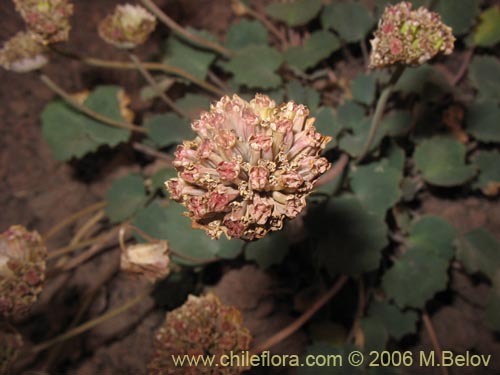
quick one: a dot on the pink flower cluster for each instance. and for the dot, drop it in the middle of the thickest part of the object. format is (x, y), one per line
(202, 326)
(47, 20)
(250, 168)
(409, 37)
(22, 270)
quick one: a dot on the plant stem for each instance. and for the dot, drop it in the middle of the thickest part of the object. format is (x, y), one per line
(334, 172)
(91, 323)
(70, 248)
(170, 23)
(379, 110)
(86, 227)
(268, 24)
(434, 340)
(151, 81)
(292, 328)
(152, 152)
(72, 218)
(96, 116)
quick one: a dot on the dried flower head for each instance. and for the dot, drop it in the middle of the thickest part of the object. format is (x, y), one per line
(48, 20)
(409, 37)
(202, 326)
(23, 54)
(22, 270)
(250, 168)
(127, 27)
(10, 345)
(151, 260)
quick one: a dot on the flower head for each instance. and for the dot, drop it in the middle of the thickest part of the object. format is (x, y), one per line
(10, 344)
(151, 260)
(202, 326)
(48, 20)
(409, 37)
(250, 168)
(127, 27)
(22, 270)
(23, 54)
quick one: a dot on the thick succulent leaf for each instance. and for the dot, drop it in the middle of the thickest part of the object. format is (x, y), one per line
(376, 185)
(492, 312)
(168, 129)
(363, 88)
(269, 250)
(169, 224)
(488, 163)
(295, 13)
(193, 104)
(482, 121)
(303, 94)
(441, 161)
(70, 133)
(338, 360)
(349, 238)
(125, 197)
(459, 15)
(351, 20)
(479, 251)
(484, 73)
(397, 323)
(421, 271)
(183, 55)
(319, 46)
(255, 67)
(244, 33)
(487, 32)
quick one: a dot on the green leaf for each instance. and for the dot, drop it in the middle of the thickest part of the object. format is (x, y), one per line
(459, 15)
(351, 20)
(375, 335)
(350, 114)
(255, 67)
(492, 312)
(125, 197)
(158, 179)
(269, 250)
(397, 123)
(193, 104)
(487, 33)
(349, 239)
(303, 94)
(424, 81)
(376, 185)
(296, 13)
(319, 46)
(168, 129)
(441, 161)
(169, 224)
(187, 57)
(397, 323)
(354, 143)
(421, 271)
(489, 177)
(479, 251)
(484, 73)
(363, 88)
(482, 121)
(246, 33)
(70, 133)
(335, 360)
(327, 124)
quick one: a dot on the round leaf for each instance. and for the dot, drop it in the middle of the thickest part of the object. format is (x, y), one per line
(459, 15)
(482, 121)
(269, 250)
(168, 129)
(125, 197)
(295, 13)
(351, 20)
(489, 177)
(484, 72)
(479, 251)
(487, 33)
(246, 33)
(319, 46)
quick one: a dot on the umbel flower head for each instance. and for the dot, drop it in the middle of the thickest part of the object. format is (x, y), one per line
(22, 270)
(22, 54)
(127, 27)
(202, 326)
(10, 345)
(48, 20)
(409, 37)
(151, 260)
(250, 167)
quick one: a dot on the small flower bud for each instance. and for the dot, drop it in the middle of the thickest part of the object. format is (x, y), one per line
(248, 151)
(23, 54)
(409, 37)
(127, 27)
(48, 20)
(10, 345)
(22, 270)
(151, 260)
(202, 326)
